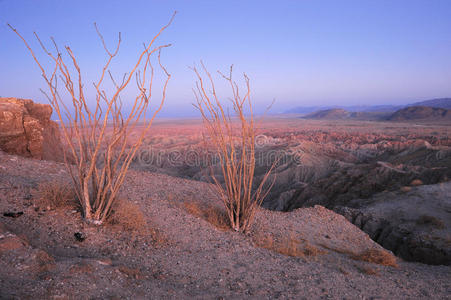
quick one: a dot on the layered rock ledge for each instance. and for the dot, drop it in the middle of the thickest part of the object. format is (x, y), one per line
(26, 129)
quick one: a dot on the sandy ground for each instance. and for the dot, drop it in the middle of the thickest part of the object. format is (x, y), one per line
(188, 257)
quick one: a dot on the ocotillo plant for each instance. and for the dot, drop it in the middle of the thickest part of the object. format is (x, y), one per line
(233, 138)
(97, 133)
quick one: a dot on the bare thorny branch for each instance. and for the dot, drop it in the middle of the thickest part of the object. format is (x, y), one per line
(98, 139)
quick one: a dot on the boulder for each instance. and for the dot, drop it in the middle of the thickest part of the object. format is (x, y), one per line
(26, 129)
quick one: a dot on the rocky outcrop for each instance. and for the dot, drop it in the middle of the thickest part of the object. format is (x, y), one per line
(415, 225)
(26, 129)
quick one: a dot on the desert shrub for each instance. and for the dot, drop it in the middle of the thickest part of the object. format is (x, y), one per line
(368, 270)
(212, 214)
(98, 133)
(430, 220)
(287, 245)
(377, 256)
(131, 272)
(159, 239)
(54, 194)
(128, 216)
(234, 142)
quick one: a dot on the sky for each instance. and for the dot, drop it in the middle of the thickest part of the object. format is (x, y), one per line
(300, 53)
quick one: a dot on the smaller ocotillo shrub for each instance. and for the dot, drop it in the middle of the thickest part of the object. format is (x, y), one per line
(234, 142)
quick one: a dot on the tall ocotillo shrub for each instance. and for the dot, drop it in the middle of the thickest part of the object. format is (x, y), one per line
(233, 138)
(98, 134)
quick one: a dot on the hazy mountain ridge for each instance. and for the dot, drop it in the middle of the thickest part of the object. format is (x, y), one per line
(357, 108)
(421, 113)
(334, 113)
(341, 114)
(438, 102)
(430, 110)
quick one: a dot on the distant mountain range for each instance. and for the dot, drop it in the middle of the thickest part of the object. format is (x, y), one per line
(341, 114)
(421, 113)
(439, 103)
(430, 110)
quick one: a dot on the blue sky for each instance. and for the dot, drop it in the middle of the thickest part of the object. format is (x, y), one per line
(300, 53)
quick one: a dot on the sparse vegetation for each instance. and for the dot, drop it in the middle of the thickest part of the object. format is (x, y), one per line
(367, 270)
(377, 256)
(131, 272)
(113, 189)
(98, 134)
(128, 216)
(287, 245)
(54, 194)
(212, 214)
(235, 144)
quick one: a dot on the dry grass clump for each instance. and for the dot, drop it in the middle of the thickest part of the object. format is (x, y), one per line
(377, 256)
(45, 262)
(288, 245)
(82, 267)
(54, 194)
(129, 216)
(430, 220)
(368, 270)
(343, 271)
(212, 214)
(159, 239)
(131, 272)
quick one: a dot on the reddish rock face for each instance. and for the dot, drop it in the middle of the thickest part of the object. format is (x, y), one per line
(26, 129)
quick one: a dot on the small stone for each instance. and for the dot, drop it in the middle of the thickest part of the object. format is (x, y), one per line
(13, 214)
(105, 261)
(80, 236)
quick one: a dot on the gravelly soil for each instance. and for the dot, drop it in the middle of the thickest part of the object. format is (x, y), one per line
(40, 258)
